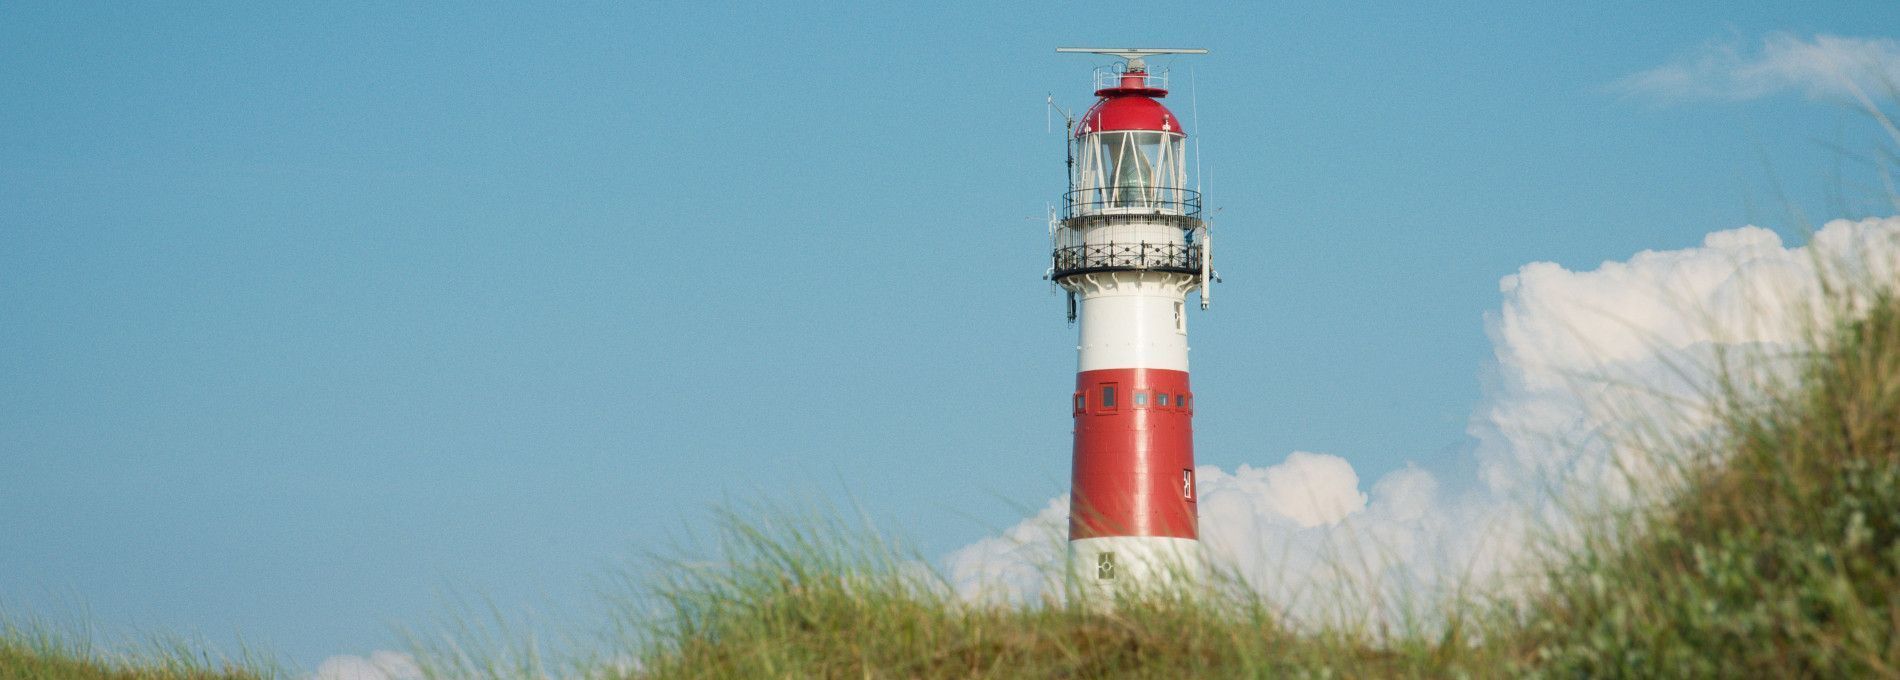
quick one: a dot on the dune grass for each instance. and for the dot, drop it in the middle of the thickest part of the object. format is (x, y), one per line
(1776, 553)
(32, 651)
(830, 600)
(1778, 556)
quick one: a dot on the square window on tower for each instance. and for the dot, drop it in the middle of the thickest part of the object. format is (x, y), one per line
(1161, 399)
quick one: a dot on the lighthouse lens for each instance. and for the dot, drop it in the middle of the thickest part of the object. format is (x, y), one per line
(1133, 156)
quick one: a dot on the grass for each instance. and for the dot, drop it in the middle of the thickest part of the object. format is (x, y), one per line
(1779, 552)
(37, 652)
(1773, 552)
(827, 600)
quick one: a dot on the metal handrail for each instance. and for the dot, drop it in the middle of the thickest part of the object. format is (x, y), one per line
(1134, 199)
(1174, 257)
(1111, 76)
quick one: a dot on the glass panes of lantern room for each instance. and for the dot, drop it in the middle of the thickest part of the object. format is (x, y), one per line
(1129, 169)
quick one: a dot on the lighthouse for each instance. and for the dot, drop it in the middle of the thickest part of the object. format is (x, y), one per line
(1127, 247)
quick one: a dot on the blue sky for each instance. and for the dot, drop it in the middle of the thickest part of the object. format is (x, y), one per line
(311, 315)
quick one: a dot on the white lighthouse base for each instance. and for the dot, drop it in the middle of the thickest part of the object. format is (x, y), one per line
(1102, 568)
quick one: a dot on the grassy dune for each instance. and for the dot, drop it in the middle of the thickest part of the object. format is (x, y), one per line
(1775, 553)
(1780, 556)
(30, 652)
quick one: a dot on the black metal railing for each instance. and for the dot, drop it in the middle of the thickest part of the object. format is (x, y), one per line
(1167, 257)
(1131, 200)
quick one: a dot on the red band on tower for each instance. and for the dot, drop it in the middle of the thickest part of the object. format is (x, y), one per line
(1134, 455)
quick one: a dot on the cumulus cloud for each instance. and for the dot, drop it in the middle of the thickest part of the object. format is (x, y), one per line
(1020, 564)
(1588, 368)
(1822, 66)
(1622, 354)
(380, 665)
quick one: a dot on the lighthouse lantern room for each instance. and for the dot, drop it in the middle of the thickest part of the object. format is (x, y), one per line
(1129, 245)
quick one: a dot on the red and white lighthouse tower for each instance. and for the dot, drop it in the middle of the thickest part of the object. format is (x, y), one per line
(1129, 246)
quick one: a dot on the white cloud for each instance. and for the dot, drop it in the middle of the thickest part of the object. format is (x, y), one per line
(380, 665)
(1823, 66)
(1583, 360)
(1018, 565)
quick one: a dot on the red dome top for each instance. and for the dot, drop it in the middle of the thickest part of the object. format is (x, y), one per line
(1125, 109)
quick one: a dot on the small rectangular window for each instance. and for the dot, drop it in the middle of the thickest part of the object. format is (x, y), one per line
(1178, 401)
(1081, 402)
(1141, 398)
(1161, 399)
(1108, 397)
(1187, 484)
(1105, 566)
(1190, 403)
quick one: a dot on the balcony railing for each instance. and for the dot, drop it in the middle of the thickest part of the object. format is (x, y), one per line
(1131, 200)
(1167, 257)
(1111, 76)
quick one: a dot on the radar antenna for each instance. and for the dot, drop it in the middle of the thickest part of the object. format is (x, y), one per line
(1134, 55)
